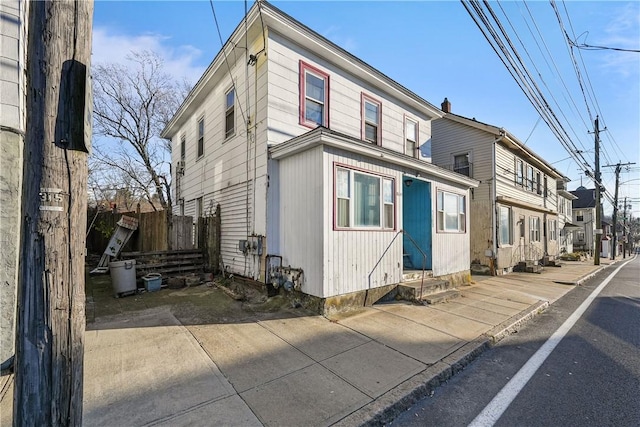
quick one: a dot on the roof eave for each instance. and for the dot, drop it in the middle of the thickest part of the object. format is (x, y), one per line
(330, 138)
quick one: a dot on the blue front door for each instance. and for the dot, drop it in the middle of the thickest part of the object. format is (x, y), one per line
(416, 218)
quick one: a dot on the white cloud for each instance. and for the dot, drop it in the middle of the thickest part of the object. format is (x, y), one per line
(333, 33)
(622, 32)
(180, 62)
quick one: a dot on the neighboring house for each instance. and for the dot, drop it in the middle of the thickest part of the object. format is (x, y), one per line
(584, 216)
(316, 161)
(13, 41)
(566, 227)
(514, 216)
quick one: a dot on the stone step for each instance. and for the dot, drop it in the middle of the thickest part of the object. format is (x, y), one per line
(441, 297)
(411, 291)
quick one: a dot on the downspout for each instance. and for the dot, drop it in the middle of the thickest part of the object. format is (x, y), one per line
(493, 196)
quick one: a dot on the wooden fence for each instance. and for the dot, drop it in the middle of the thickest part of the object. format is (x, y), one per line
(156, 232)
(208, 238)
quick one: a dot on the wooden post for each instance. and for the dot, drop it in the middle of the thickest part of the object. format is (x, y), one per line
(51, 318)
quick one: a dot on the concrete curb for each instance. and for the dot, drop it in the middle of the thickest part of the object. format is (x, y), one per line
(397, 400)
(582, 279)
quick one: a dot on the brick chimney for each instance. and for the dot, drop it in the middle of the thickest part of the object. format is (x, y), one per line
(446, 106)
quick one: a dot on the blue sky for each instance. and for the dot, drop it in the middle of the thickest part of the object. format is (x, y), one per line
(435, 49)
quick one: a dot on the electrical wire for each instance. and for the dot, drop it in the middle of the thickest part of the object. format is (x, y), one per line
(226, 60)
(502, 45)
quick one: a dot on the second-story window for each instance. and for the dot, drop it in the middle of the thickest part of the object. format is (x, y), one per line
(201, 137)
(530, 175)
(183, 147)
(411, 137)
(461, 164)
(230, 117)
(519, 172)
(371, 118)
(314, 96)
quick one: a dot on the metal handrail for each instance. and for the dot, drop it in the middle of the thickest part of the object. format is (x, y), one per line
(424, 262)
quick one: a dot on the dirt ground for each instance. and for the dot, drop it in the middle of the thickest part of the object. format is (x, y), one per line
(223, 300)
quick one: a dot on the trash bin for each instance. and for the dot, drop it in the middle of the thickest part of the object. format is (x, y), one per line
(152, 282)
(123, 277)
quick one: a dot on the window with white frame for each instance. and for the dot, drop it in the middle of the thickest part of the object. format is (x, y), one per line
(371, 118)
(538, 182)
(451, 211)
(183, 147)
(579, 216)
(553, 229)
(411, 137)
(505, 225)
(230, 118)
(201, 137)
(363, 200)
(534, 229)
(314, 96)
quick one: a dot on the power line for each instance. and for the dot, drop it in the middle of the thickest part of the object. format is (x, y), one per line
(226, 60)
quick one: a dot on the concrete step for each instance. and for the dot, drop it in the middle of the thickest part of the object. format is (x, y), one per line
(411, 275)
(441, 297)
(413, 290)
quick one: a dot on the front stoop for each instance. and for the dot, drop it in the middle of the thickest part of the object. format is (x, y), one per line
(528, 267)
(434, 291)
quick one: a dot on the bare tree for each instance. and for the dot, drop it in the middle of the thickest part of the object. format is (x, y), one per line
(132, 104)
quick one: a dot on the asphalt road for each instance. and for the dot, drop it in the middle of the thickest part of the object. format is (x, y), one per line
(590, 378)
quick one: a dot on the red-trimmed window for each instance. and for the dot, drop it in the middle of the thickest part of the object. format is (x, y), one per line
(411, 137)
(371, 120)
(314, 96)
(451, 209)
(363, 200)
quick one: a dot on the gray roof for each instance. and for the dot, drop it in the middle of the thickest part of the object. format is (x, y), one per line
(586, 198)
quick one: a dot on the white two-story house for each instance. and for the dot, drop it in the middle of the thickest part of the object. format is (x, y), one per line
(315, 160)
(514, 217)
(584, 216)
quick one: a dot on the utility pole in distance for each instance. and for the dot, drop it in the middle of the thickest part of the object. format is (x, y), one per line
(615, 207)
(51, 317)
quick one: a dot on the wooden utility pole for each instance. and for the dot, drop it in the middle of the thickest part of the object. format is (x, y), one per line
(598, 237)
(50, 317)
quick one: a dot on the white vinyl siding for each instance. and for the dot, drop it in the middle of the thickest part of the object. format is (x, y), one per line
(345, 100)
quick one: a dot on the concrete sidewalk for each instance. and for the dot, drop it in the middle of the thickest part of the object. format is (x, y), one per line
(202, 364)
